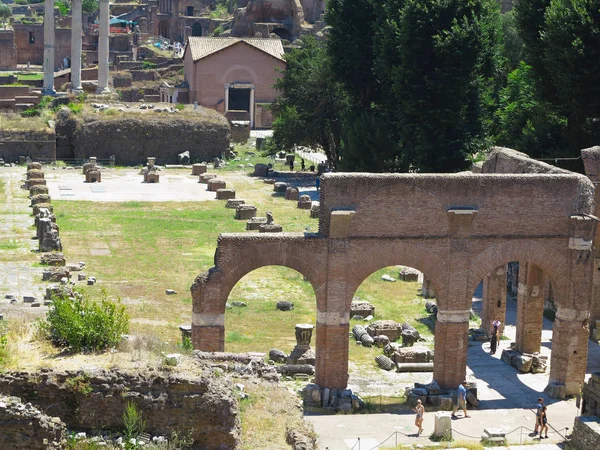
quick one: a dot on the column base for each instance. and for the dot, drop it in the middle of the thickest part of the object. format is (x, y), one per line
(48, 91)
(77, 90)
(561, 391)
(103, 90)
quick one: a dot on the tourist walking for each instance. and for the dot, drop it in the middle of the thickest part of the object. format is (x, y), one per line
(494, 339)
(420, 410)
(538, 416)
(462, 400)
(543, 423)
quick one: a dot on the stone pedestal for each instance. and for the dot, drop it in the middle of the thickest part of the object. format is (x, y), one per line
(103, 31)
(302, 353)
(48, 88)
(530, 305)
(198, 169)
(76, 29)
(442, 427)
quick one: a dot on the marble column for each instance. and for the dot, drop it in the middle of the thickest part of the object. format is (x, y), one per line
(76, 29)
(48, 88)
(103, 48)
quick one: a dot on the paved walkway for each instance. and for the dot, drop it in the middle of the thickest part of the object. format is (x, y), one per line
(507, 401)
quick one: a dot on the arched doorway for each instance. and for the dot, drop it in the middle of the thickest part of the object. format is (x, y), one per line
(164, 29)
(252, 320)
(197, 29)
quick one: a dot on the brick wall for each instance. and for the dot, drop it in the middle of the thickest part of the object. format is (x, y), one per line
(34, 52)
(8, 50)
(35, 144)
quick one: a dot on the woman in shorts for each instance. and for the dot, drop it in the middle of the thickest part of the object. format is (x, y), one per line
(420, 410)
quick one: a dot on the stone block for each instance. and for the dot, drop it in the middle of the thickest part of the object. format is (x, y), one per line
(442, 425)
(198, 169)
(255, 223)
(215, 184)
(245, 212)
(270, 228)
(224, 194)
(304, 202)
(261, 170)
(280, 187)
(413, 397)
(314, 210)
(206, 177)
(311, 395)
(233, 203)
(292, 193)
(53, 259)
(389, 328)
(556, 390)
(523, 363)
(55, 274)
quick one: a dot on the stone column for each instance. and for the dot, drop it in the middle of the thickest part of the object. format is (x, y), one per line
(530, 308)
(494, 299)
(451, 347)
(103, 48)
(76, 30)
(591, 161)
(48, 88)
(569, 352)
(427, 291)
(333, 315)
(208, 319)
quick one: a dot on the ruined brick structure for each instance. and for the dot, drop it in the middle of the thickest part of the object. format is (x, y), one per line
(456, 229)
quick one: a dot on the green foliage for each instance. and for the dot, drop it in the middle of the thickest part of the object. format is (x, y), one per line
(146, 65)
(110, 112)
(186, 344)
(85, 325)
(5, 13)
(31, 112)
(310, 108)
(438, 58)
(134, 425)
(180, 106)
(3, 343)
(79, 384)
(89, 6)
(75, 107)
(218, 30)
(63, 7)
(513, 44)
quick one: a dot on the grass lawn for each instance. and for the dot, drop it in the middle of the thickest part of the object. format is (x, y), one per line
(30, 76)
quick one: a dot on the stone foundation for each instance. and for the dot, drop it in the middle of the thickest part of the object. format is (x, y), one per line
(205, 407)
(586, 433)
(225, 194)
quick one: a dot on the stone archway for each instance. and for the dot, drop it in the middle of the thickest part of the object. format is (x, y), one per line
(455, 228)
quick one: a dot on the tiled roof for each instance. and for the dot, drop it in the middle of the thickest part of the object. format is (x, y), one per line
(201, 47)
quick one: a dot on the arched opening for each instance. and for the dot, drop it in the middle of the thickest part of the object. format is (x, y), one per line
(164, 29)
(253, 319)
(514, 309)
(393, 297)
(282, 33)
(197, 29)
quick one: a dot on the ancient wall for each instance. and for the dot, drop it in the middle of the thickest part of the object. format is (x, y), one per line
(24, 427)
(204, 407)
(8, 50)
(35, 144)
(454, 228)
(33, 52)
(132, 138)
(586, 432)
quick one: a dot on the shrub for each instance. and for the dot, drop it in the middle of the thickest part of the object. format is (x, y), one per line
(180, 106)
(75, 107)
(3, 343)
(148, 65)
(85, 325)
(134, 425)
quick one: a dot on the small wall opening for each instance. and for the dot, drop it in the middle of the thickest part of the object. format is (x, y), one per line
(239, 99)
(197, 29)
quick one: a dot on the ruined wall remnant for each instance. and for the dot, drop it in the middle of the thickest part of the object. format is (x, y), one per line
(586, 432)
(132, 138)
(205, 407)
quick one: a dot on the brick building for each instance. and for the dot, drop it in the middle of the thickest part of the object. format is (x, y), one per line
(234, 74)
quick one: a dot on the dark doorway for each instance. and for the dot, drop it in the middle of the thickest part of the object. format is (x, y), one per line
(197, 29)
(239, 100)
(190, 13)
(163, 29)
(282, 33)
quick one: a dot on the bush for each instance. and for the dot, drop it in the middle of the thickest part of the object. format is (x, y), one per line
(3, 343)
(85, 325)
(148, 65)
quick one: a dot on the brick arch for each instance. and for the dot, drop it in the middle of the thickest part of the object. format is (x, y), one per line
(551, 261)
(241, 68)
(369, 258)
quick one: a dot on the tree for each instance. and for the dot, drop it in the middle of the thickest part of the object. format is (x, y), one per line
(350, 46)
(5, 13)
(89, 6)
(311, 105)
(436, 58)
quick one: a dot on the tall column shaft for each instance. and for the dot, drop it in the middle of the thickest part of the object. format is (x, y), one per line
(103, 48)
(76, 29)
(451, 347)
(530, 307)
(48, 48)
(494, 299)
